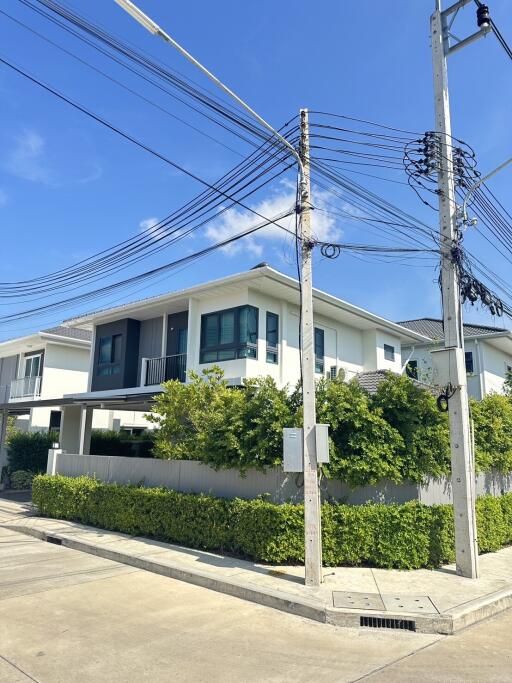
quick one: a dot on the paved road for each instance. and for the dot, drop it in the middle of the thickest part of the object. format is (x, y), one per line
(69, 617)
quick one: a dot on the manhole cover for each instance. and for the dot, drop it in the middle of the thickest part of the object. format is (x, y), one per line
(354, 600)
(417, 604)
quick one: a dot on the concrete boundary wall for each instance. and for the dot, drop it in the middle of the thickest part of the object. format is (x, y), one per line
(189, 476)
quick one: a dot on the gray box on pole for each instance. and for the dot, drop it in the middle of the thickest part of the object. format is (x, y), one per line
(322, 444)
(293, 449)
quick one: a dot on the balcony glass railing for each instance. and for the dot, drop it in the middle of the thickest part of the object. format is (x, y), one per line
(158, 370)
(25, 388)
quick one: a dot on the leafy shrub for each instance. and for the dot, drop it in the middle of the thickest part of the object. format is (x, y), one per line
(21, 479)
(207, 420)
(492, 418)
(364, 447)
(412, 411)
(107, 442)
(406, 536)
(398, 433)
(29, 450)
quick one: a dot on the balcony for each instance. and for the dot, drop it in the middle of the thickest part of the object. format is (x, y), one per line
(158, 370)
(25, 388)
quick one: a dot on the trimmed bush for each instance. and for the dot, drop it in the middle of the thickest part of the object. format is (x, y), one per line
(407, 536)
(21, 479)
(109, 442)
(29, 451)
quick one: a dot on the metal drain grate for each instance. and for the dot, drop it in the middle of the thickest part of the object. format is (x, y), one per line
(54, 540)
(382, 622)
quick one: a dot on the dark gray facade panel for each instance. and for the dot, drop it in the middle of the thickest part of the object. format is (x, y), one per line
(129, 330)
(150, 340)
(175, 323)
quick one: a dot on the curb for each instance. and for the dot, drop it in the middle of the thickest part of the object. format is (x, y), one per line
(447, 623)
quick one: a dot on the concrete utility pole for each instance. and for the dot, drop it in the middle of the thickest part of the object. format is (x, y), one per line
(312, 508)
(463, 470)
(313, 539)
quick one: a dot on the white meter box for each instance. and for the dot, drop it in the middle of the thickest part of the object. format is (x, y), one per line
(444, 366)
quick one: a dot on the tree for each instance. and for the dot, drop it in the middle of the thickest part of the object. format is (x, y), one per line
(364, 448)
(413, 412)
(507, 385)
(199, 420)
(492, 420)
(265, 411)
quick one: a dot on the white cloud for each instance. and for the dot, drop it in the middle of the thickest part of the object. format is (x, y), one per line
(151, 227)
(237, 220)
(30, 159)
(27, 159)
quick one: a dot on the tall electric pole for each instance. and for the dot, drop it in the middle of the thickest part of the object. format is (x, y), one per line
(312, 531)
(463, 469)
(312, 508)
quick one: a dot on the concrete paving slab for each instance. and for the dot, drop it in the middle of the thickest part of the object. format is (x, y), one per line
(447, 602)
(143, 627)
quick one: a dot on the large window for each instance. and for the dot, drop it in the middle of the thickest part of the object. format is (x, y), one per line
(230, 334)
(319, 350)
(272, 337)
(109, 355)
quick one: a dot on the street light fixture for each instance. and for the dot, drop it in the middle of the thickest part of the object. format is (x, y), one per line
(475, 187)
(312, 516)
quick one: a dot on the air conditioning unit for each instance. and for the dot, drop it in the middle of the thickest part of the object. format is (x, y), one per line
(333, 372)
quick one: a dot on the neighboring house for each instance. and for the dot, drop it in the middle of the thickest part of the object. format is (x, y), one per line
(248, 324)
(39, 368)
(488, 354)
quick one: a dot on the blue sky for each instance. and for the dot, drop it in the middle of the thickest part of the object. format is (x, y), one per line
(69, 187)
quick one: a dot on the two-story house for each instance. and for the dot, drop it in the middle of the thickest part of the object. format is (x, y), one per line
(248, 324)
(35, 373)
(488, 354)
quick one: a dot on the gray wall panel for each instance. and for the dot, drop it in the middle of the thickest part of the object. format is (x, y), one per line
(150, 340)
(189, 476)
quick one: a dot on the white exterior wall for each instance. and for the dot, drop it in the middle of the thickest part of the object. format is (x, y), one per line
(489, 366)
(495, 367)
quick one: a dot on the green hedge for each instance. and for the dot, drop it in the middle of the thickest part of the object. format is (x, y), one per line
(109, 442)
(29, 450)
(21, 480)
(407, 536)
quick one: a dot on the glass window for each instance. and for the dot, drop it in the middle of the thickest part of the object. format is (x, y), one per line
(319, 350)
(468, 356)
(227, 327)
(182, 340)
(272, 337)
(210, 330)
(105, 349)
(109, 355)
(229, 334)
(412, 369)
(389, 352)
(33, 365)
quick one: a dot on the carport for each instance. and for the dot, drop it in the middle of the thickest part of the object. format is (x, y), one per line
(77, 413)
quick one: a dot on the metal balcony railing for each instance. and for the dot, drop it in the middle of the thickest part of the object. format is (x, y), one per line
(25, 388)
(158, 370)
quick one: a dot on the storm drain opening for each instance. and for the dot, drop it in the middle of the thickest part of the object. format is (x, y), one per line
(54, 540)
(382, 622)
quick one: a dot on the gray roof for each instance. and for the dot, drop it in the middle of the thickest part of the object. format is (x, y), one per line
(370, 380)
(433, 328)
(69, 332)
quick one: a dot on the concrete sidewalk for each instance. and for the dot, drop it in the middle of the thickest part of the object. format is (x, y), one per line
(425, 601)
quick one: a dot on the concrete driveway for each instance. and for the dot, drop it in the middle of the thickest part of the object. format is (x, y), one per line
(66, 616)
